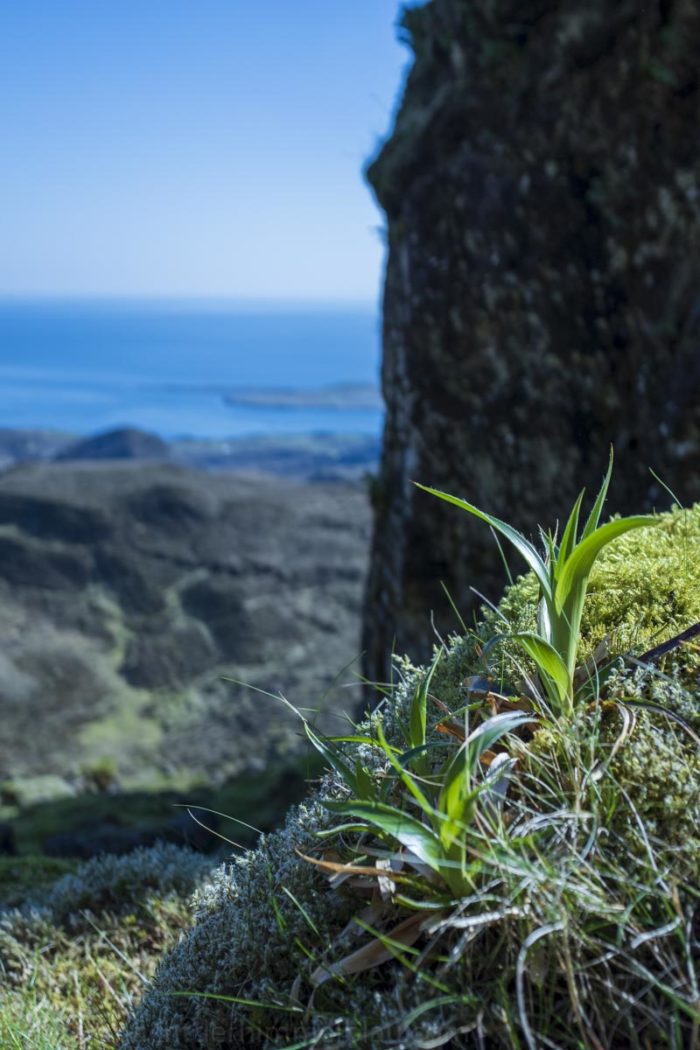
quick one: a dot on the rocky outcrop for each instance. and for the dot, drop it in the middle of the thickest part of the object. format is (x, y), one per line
(542, 190)
(128, 591)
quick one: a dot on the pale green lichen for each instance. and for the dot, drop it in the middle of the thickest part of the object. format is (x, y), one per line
(117, 883)
(249, 941)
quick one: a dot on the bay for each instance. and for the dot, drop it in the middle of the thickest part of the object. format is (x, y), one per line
(165, 366)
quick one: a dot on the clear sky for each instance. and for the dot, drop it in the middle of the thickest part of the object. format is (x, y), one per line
(193, 147)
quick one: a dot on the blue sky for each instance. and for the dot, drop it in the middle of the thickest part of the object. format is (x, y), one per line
(193, 147)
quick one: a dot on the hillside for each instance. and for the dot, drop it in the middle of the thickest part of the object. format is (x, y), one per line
(129, 592)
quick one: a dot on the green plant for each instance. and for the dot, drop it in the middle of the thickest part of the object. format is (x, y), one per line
(430, 813)
(581, 927)
(563, 575)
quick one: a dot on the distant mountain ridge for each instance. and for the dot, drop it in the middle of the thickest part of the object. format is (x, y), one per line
(314, 457)
(123, 443)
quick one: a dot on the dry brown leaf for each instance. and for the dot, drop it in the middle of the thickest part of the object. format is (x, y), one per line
(487, 758)
(375, 952)
(499, 704)
(440, 704)
(451, 729)
(335, 868)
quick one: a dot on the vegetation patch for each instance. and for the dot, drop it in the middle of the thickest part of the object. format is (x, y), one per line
(77, 951)
(504, 853)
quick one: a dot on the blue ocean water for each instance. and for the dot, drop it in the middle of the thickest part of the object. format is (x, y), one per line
(85, 366)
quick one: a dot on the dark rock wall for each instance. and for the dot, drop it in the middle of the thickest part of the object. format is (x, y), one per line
(542, 298)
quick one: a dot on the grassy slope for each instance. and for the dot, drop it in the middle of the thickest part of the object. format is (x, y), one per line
(66, 984)
(263, 796)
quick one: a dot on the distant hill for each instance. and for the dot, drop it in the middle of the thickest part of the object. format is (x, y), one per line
(129, 592)
(318, 457)
(124, 443)
(18, 445)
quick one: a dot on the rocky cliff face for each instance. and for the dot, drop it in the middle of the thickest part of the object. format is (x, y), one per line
(542, 190)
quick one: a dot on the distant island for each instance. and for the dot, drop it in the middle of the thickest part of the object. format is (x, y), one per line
(341, 396)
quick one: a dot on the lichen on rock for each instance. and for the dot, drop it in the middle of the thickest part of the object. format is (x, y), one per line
(76, 945)
(542, 192)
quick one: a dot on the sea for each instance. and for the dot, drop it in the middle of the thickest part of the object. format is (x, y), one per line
(85, 366)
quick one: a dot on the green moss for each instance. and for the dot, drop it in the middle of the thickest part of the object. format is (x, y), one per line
(31, 1019)
(29, 791)
(657, 778)
(644, 589)
(21, 877)
(129, 726)
(64, 982)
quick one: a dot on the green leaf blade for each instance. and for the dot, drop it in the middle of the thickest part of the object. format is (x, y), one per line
(418, 719)
(551, 666)
(523, 546)
(597, 509)
(458, 797)
(405, 776)
(457, 808)
(580, 562)
(334, 758)
(492, 730)
(568, 540)
(410, 832)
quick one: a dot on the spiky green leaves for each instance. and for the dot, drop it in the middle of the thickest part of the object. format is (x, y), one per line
(444, 806)
(552, 669)
(418, 718)
(563, 574)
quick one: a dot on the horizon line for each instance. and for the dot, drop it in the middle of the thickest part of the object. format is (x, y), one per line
(174, 298)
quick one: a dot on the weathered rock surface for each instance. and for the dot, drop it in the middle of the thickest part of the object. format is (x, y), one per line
(542, 189)
(128, 590)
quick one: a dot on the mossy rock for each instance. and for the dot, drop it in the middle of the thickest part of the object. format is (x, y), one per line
(81, 939)
(606, 897)
(23, 877)
(541, 195)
